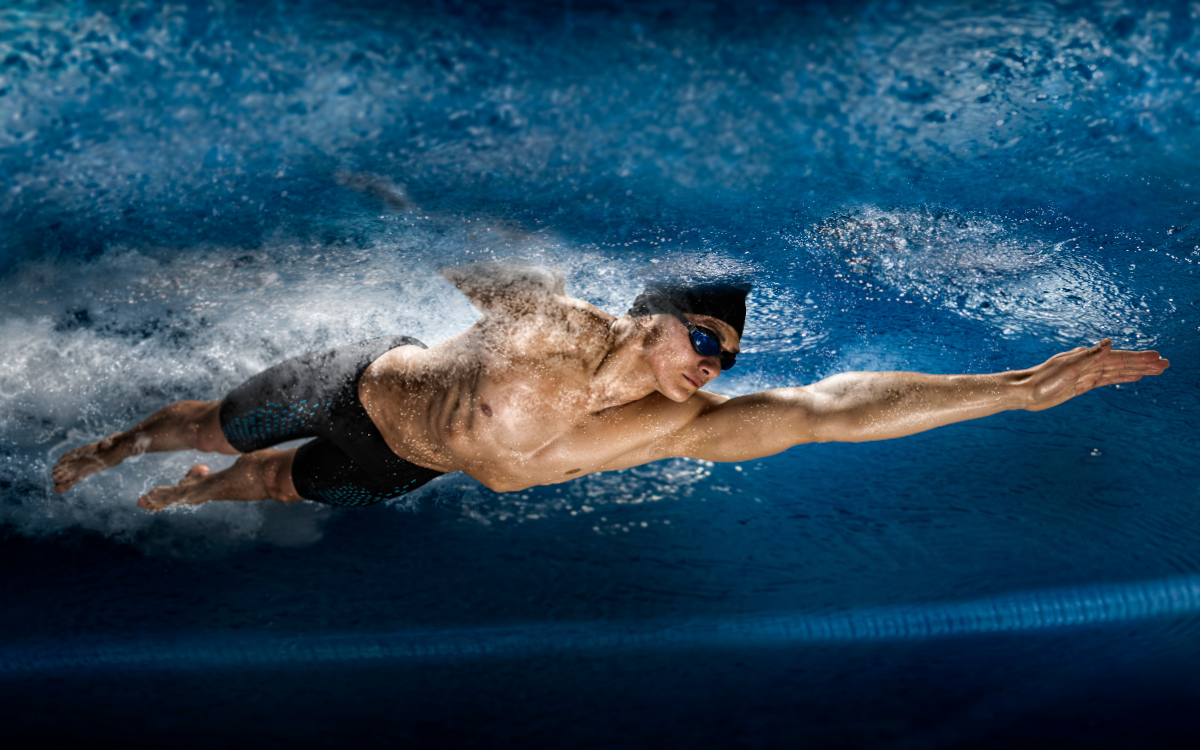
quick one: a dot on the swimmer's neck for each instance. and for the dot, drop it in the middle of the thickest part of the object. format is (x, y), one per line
(623, 374)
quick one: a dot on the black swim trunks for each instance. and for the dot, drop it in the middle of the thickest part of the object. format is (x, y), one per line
(316, 395)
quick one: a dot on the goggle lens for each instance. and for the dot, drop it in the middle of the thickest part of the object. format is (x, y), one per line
(708, 344)
(705, 344)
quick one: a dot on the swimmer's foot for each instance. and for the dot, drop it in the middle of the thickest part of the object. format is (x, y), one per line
(76, 465)
(184, 493)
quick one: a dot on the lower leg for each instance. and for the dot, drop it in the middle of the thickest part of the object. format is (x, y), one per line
(181, 426)
(260, 475)
(184, 425)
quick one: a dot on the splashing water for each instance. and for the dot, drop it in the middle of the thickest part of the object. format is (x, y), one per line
(979, 268)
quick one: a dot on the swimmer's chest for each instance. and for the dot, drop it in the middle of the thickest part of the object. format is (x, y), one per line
(524, 412)
(533, 388)
(544, 431)
(531, 410)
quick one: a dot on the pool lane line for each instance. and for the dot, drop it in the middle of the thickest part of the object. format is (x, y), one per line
(1009, 613)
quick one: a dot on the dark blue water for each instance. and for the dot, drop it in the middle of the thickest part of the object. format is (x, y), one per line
(190, 192)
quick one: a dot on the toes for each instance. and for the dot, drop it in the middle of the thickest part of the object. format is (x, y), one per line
(161, 498)
(151, 500)
(63, 481)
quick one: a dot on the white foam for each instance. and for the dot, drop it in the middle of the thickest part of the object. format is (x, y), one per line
(89, 350)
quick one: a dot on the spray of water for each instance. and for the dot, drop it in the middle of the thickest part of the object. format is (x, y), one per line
(1010, 276)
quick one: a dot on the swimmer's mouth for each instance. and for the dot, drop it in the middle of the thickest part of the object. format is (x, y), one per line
(693, 382)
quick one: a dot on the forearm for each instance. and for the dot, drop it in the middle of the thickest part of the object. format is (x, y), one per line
(862, 406)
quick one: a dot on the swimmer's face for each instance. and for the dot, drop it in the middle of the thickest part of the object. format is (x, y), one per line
(679, 369)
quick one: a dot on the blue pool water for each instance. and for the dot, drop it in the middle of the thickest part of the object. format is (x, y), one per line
(193, 191)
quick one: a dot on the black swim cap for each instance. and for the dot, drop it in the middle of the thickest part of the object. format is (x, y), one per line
(725, 302)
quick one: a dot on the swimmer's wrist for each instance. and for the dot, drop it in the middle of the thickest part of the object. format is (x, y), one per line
(1018, 390)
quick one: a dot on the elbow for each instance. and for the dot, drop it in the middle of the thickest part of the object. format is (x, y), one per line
(809, 420)
(827, 420)
(503, 484)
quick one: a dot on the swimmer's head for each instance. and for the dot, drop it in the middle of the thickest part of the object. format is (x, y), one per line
(725, 302)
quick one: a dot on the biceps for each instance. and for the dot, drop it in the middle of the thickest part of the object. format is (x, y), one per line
(747, 427)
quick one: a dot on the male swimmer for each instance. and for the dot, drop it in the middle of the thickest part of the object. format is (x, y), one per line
(546, 388)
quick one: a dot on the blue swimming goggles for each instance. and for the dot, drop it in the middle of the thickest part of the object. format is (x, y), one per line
(707, 343)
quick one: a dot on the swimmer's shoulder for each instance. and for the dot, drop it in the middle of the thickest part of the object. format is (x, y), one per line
(583, 312)
(506, 290)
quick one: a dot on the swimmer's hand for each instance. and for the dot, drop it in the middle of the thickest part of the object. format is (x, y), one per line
(1078, 371)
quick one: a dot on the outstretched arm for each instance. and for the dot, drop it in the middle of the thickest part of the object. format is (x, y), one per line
(861, 406)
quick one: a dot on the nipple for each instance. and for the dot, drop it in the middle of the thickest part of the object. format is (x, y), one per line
(487, 410)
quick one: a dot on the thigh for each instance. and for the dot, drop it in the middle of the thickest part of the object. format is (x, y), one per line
(323, 472)
(301, 397)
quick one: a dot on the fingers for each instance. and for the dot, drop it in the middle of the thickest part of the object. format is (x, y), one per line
(1119, 379)
(1147, 362)
(1146, 353)
(1100, 365)
(1150, 362)
(1081, 352)
(1130, 367)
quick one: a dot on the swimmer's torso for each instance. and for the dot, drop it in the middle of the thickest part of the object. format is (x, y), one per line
(516, 402)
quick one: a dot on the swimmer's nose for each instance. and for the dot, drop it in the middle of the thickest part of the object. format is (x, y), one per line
(710, 368)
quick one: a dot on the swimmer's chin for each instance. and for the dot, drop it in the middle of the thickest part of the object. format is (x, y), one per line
(685, 391)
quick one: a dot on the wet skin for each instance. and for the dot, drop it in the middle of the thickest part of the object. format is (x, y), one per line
(545, 388)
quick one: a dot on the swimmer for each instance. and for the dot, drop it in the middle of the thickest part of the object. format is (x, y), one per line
(545, 388)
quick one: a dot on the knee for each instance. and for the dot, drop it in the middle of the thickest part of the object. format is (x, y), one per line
(204, 429)
(275, 468)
